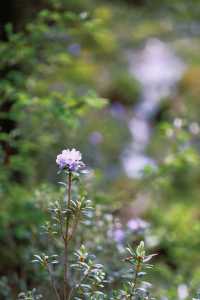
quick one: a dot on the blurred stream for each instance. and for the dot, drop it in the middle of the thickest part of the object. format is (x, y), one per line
(158, 70)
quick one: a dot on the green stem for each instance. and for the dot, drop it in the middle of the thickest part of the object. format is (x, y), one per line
(69, 184)
(137, 269)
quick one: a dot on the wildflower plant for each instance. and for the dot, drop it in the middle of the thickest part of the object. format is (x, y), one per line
(66, 215)
(138, 262)
(82, 277)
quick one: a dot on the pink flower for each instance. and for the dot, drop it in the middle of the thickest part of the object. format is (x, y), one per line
(137, 224)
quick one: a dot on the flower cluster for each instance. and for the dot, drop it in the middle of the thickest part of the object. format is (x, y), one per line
(70, 160)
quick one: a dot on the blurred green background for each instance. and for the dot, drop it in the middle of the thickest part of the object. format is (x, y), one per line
(120, 81)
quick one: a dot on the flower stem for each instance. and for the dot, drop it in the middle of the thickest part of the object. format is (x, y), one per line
(137, 270)
(69, 184)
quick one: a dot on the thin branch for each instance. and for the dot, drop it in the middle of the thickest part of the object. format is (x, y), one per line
(66, 236)
(138, 265)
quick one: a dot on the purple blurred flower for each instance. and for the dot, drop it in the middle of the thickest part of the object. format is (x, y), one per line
(95, 138)
(118, 235)
(117, 110)
(74, 49)
(183, 292)
(137, 224)
(70, 159)
(194, 128)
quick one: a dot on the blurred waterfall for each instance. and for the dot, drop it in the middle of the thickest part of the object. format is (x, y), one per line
(158, 70)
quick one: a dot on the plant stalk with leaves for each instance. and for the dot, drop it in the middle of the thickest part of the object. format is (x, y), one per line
(139, 262)
(66, 216)
(66, 237)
